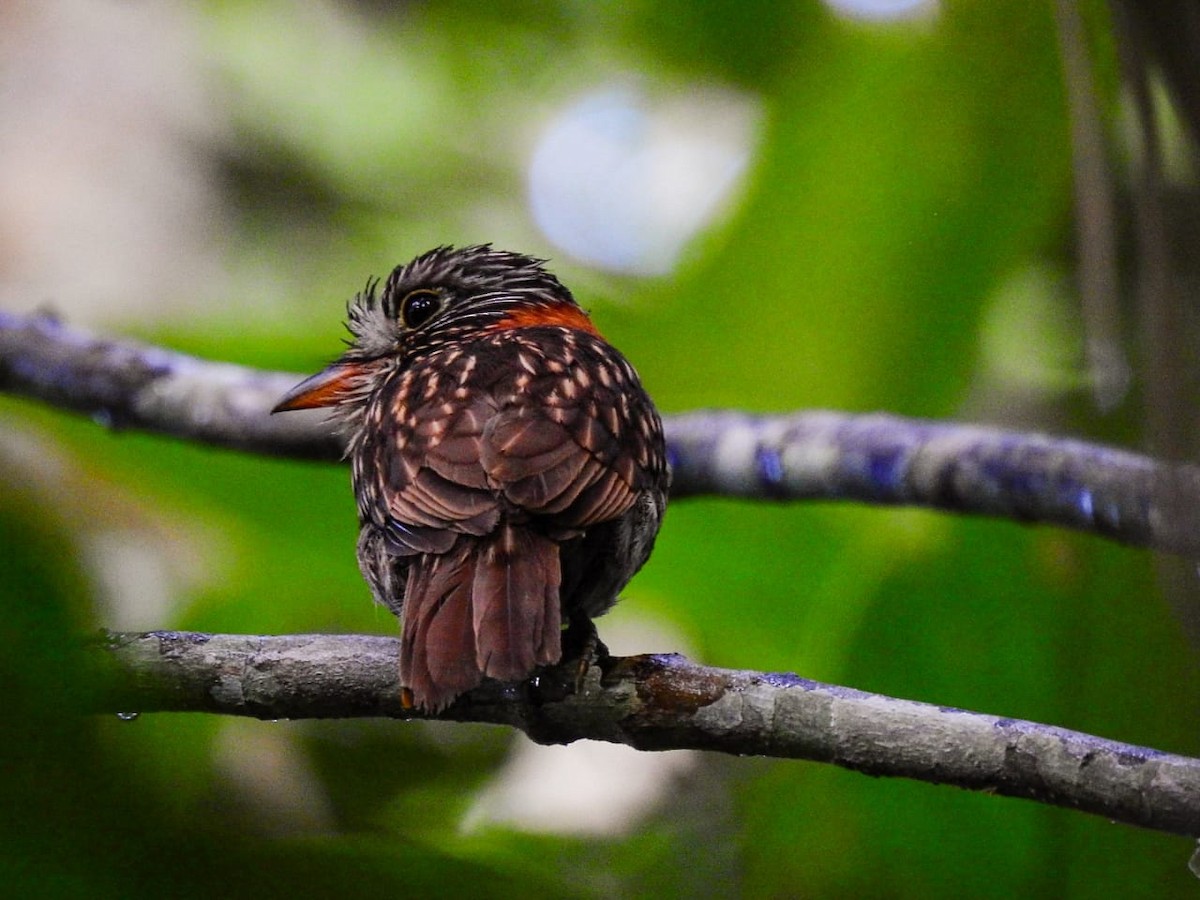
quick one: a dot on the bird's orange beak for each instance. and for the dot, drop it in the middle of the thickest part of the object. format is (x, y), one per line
(327, 388)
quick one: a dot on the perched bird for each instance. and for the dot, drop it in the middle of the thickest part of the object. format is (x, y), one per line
(509, 468)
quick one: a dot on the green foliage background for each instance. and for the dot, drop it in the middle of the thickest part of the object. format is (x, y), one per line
(905, 180)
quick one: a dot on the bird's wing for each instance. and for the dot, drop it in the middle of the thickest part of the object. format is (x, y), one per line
(511, 431)
(421, 481)
(573, 438)
(558, 462)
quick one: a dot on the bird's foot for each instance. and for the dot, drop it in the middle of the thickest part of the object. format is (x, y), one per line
(581, 642)
(581, 650)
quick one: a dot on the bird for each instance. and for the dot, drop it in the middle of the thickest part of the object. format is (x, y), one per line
(509, 468)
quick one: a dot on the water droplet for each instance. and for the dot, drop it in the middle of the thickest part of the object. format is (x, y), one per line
(103, 418)
(1194, 862)
(128, 716)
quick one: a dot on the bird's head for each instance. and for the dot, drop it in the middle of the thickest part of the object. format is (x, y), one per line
(443, 296)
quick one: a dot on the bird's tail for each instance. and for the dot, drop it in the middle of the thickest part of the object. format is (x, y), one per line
(488, 607)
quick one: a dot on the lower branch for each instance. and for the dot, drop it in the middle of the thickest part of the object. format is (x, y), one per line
(665, 702)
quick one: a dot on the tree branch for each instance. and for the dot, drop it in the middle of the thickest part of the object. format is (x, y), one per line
(125, 384)
(666, 702)
(877, 459)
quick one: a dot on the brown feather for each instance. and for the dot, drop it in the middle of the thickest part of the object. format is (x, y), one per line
(520, 441)
(437, 644)
(489, 607)
(515, 600)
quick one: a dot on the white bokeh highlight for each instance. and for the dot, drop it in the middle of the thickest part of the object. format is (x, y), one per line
(884, 10)
(622, 181)
(589, 787)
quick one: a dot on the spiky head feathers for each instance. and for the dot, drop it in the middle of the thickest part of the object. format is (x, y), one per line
(446, 292)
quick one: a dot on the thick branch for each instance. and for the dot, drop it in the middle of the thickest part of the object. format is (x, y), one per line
(816, 455)
(666, 702)
(125, 384)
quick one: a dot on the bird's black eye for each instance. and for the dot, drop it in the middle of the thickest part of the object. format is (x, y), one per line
(418, 307)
